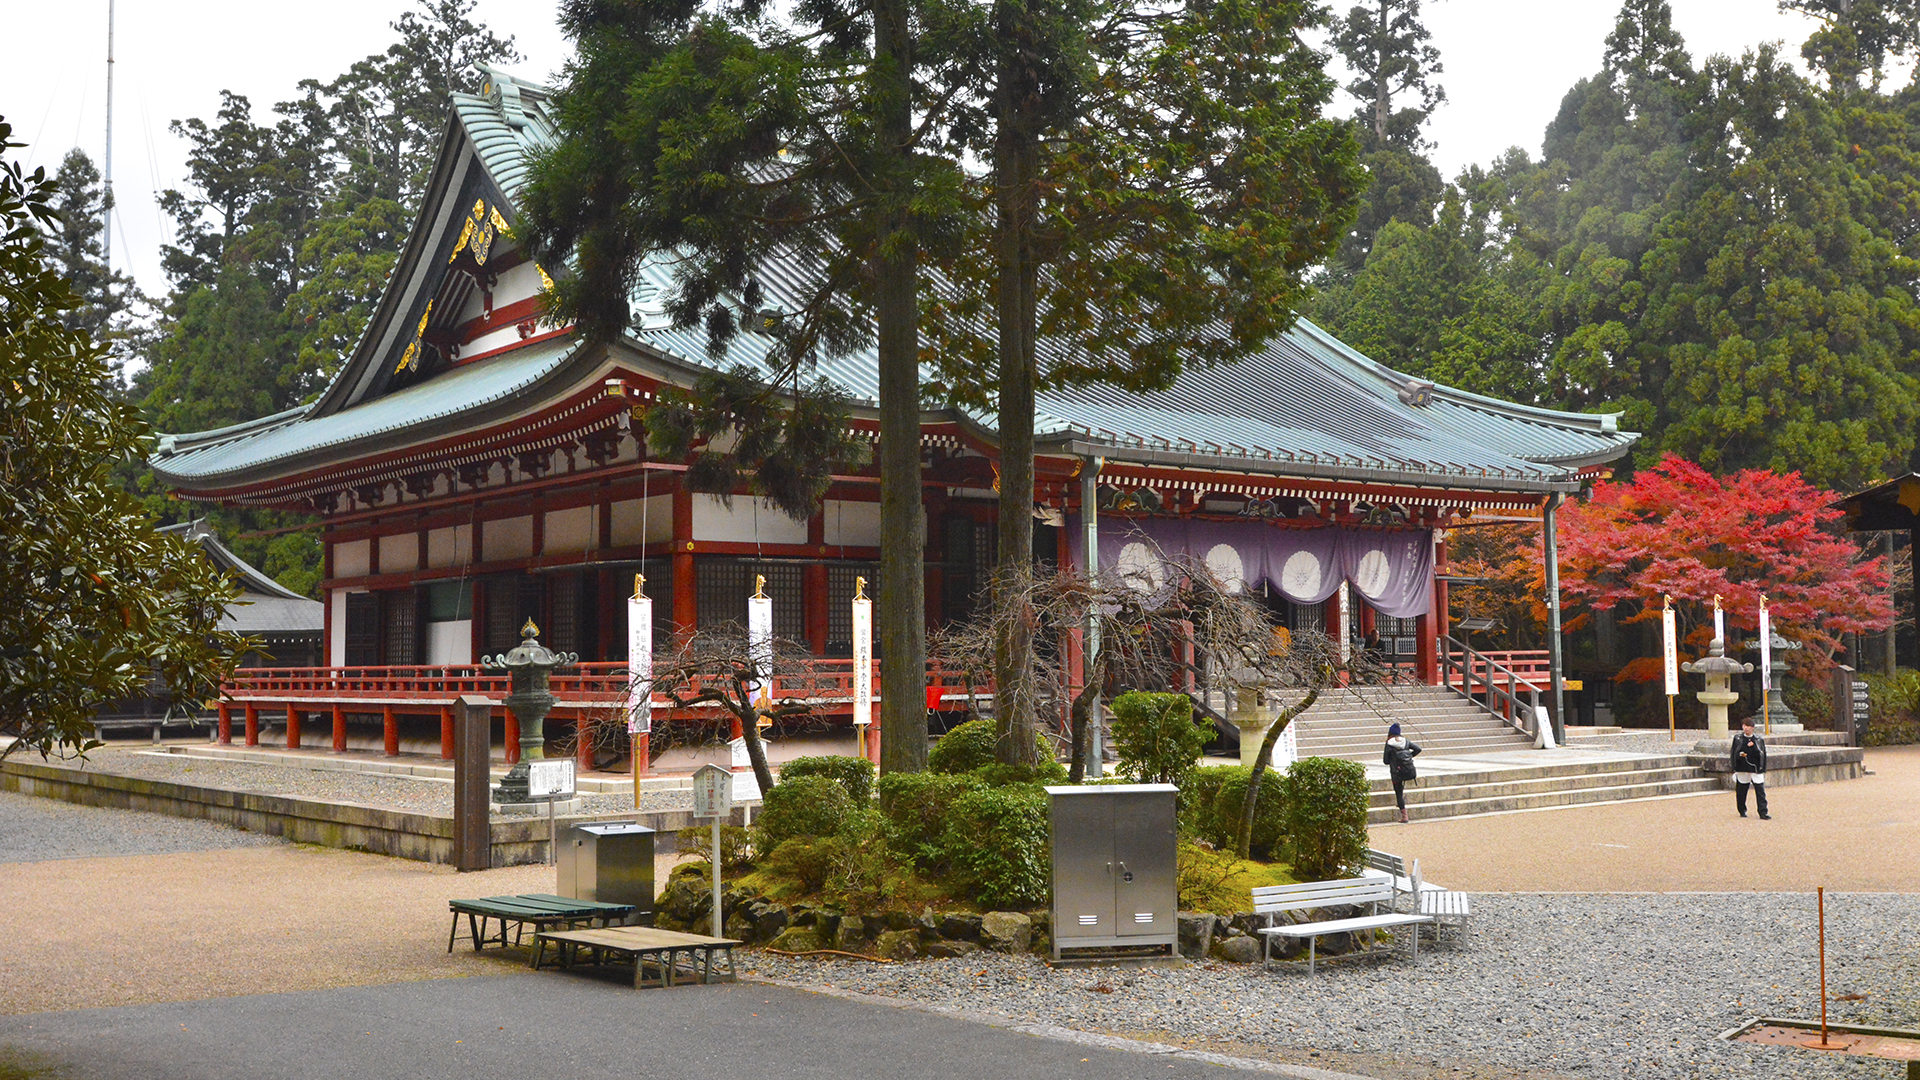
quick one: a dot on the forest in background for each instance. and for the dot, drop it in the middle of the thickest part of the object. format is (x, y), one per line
(1721, 248)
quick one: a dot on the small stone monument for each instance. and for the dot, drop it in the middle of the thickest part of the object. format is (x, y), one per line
(1780, 718)
(530, 665)
(1719, 694)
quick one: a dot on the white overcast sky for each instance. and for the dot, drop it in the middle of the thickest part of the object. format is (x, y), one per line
(1508, 62)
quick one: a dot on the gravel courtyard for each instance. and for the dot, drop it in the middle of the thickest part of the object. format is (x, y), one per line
(1631, 975)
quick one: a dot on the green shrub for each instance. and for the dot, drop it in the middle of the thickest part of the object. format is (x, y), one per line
(970, 746)
(805, 861)
(1893, 717)
(1156, 737)
(853, 773)
(809, 806)
(918, 807)
(1000, 775)
(1326, 818)
(858, 876)
(736, 844)
(1211, 803)
(997, 843)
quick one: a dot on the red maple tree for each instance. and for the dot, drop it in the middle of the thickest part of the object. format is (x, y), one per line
(1677, 530)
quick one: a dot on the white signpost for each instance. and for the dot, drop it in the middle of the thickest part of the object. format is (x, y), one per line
(1670, 643)
(639, 679)
(862, 663)
(760, 644)
(1766, 665)
(549, 780)
(713, 798)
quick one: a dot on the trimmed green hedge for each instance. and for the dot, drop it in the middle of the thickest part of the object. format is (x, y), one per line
(969, 746)
(853, 773)
(1210, 803)
(1326, 818)
(997, 843)
(918, 807)
(1156, 737)
(802, 806)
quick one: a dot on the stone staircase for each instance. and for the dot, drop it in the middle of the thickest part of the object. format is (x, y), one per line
(1447, 795)
(1351, 723)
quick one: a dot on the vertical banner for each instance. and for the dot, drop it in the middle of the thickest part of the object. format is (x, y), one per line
(1287, 750)
(862, 655)
(760, 643)
(1720, 622)
(1670, 641)
(639, 660)
(1766, 646)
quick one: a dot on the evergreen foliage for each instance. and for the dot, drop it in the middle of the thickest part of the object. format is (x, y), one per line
(1212, 798)
(998, 842)
(918, 808)
(98, 601)
(1326, 818)
(802, 806)
(852, 773)
(1157, 737)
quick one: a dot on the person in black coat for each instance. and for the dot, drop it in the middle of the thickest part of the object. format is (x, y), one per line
(1750, 770)
(1398, 757)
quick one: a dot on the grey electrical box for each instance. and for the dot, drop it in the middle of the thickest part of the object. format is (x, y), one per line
(1114, 879)
(608, 861)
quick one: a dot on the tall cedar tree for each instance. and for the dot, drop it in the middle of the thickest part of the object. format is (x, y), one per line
(100, 602)
(75, 244)
(1162, 182)
(721, 142)
(1395, 68)
(284, 235)
(1678, 531)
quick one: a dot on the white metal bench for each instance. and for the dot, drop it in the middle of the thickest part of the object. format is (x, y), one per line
(1310, 895)
(1446, 907)
(1393, 868)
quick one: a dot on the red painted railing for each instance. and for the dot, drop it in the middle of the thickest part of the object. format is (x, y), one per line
(1531, 665)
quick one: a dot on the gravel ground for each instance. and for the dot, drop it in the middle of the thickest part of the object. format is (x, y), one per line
(398, 792)
(1546, 986)
(1638, 742)
(35, 830)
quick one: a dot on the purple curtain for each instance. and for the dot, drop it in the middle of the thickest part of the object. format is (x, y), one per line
(1392, 569)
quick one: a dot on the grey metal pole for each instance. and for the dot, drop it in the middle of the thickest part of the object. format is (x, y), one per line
(716, 877)
(1090, 535)
(106, 203)
(1555, 661)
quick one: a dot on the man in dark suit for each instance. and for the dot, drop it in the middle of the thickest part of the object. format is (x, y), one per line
(1750, 770)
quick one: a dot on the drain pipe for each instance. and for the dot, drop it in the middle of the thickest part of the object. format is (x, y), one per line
(1555, 660)
(1090, 543)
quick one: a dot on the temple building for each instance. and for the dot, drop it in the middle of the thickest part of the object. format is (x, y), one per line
(474, 467)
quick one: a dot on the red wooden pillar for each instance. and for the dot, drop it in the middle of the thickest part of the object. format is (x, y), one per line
(389, 731)
(813, 588)
(1442, 617)
(293, 727)
(513, 738)
(253, 724)
(1427, 657)
(339, 728)
(583, 742)
(446, 733)
(686, 596)
(226, 724)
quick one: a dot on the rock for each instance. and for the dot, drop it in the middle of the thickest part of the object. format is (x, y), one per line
(1196, 934)
(850, 934)
(805, 915)
(739, 926)
(1245, 922)
(1006, 931)
(898, 944)
(928, 923)
(796, 939)
(687, 900)
(960, 926)
(948, 949)
(1237, 950)
(768, 920)
(898, 920)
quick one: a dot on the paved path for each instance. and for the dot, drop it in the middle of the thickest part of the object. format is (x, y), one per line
(1853, 836)
(563, 1027)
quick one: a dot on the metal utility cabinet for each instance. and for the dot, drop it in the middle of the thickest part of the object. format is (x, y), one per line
(1114, 880)
(608, 861)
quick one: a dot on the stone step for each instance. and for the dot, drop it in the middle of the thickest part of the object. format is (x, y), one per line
(1436, 789)
(1474, 805)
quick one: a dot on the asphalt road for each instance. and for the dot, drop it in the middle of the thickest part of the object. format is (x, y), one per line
(563, 1026)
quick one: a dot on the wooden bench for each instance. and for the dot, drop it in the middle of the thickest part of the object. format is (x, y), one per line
(1311, 895)
(663, 949)
(542, 910)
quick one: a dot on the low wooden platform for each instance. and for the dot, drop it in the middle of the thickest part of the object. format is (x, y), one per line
(542, 910)
(663, 950)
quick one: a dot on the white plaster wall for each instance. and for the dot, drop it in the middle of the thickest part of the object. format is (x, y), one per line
(350, 559)
(569, 530)
(628, 521)
(507, 538)
(400, 553)
(450, 642)
(337, 640)
(449, 546)
(853, 524)
(746, 521)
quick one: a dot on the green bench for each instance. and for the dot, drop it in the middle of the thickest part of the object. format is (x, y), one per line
(542, 910)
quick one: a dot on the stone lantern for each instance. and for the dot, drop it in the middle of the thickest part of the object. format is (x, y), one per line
(530, 665)
(1719, 692)
(1780, 717)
